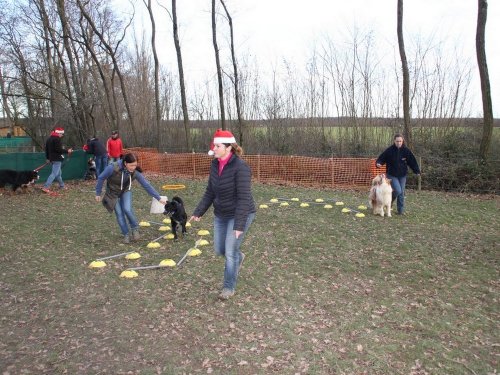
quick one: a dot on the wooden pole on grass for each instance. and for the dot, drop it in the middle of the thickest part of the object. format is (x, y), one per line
(419, 177)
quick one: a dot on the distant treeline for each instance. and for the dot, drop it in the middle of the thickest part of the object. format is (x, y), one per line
(347, 122)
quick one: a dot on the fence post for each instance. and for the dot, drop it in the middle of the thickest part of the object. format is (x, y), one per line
(194, 163)
(419, 177)
(258, 167)
(332, 172)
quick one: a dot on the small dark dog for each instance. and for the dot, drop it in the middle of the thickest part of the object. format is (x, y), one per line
(17, 179)
(91, 173)
(175, 210)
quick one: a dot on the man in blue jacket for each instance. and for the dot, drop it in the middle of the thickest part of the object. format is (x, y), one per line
(397, 158)
(96, 147)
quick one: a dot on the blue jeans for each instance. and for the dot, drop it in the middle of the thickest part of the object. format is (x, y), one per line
(100, 163)
(398, 191)
(112, 160)
(226, 244)
(56, 174)
(124, 212)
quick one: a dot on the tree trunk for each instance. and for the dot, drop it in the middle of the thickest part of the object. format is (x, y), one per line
(80, 114)
(157, 70)
(406, 77)
(185, 113)
(236, 78)
(482, 13)
(5, 105)
(219, 71)
(48, 52)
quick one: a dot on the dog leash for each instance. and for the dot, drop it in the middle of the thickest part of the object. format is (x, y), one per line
(41, 166)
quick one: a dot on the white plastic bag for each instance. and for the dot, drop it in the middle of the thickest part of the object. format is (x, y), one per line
(156, 206)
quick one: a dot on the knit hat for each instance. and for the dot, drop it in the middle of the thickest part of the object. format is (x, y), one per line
(58, 131)
(221, 136)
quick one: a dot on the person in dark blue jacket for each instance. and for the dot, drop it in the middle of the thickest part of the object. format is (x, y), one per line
(229, 190)
(96, 147)
(398, 158)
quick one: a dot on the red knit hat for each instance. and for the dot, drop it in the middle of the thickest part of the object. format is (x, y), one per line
(221, 136)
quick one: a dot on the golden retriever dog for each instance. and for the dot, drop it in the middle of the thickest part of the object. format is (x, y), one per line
(380, 197)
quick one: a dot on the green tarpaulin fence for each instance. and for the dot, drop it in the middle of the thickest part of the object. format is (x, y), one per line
(15, 144)
(73, 167)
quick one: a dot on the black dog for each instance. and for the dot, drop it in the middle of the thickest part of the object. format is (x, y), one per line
(175, 210)
(91, 173)
(17, 179)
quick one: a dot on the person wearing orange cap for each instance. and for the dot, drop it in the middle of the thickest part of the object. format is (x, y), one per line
(54, 153)
(229, 191)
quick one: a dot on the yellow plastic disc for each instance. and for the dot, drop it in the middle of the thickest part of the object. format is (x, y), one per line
(202, 243)
(362, 207)
(144, 224)
(173, 187)
(294, 199)
(284, 204)
(360, 214)
(194, 252)
(339, 203)
(203, 232)
(166, 221)
(188, 224)
(304, 205)
(132, 256)
(344, 210)
(274, 200)
(328, 206)
(167, 263)
(263, 206)
(153, 245)
(129, 274)
(164, 228)
(170, 236)
(97, 264)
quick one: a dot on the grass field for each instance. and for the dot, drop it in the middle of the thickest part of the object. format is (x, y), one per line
(320, 292)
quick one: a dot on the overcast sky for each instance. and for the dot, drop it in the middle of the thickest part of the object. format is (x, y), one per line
(273, 30)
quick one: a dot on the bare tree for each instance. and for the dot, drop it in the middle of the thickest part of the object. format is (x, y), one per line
(5, 104)
(482, 13)
(235, 78)
(219, 70)
(113, 55)
(156, 72)
(75, 75)
(406, 75)
(100, 67)
(180, 67)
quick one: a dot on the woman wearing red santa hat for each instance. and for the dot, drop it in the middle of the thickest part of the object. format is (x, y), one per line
(229, 191)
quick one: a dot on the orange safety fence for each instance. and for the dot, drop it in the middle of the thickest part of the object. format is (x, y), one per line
(293, 170)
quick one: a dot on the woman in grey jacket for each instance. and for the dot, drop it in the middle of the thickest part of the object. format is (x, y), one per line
(118, 196)
(229, 190)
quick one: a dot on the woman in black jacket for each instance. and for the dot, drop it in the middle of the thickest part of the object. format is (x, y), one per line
(397, 158)
(229, 190)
